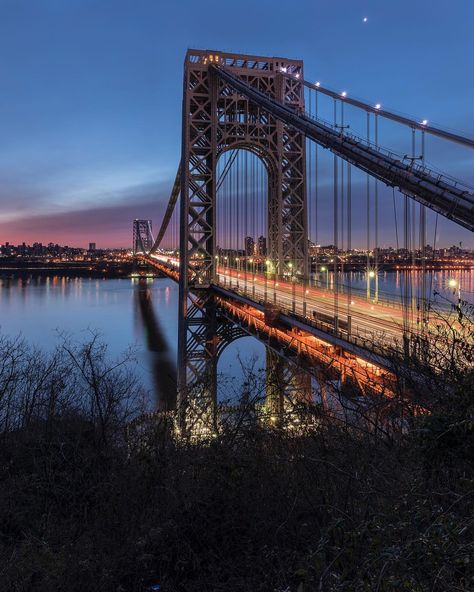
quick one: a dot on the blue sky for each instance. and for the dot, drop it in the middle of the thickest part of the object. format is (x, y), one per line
(90, 93)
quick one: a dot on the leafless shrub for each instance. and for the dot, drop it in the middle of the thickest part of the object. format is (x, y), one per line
(342, 504)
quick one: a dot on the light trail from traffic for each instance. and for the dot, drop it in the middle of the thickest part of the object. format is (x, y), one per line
(367, 318)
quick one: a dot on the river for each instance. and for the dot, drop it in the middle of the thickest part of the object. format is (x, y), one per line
(128, 313)
(125, 313)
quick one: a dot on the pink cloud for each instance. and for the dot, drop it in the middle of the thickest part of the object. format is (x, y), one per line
(108, 226)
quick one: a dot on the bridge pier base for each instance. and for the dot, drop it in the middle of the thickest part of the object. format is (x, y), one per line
(197, 368)
(288, 388)
(206, 334)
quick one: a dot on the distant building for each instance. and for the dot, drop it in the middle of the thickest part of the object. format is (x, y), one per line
(7, 249)
(92, 247)
(249, 246)
(37, 249)
(262, 246)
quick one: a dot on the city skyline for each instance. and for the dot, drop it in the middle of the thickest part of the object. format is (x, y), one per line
(248, 245)
(91, 131)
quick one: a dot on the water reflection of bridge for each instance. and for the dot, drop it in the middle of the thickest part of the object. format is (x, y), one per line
(163, 367)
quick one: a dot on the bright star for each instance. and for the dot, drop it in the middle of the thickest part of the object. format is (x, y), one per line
(365, 19)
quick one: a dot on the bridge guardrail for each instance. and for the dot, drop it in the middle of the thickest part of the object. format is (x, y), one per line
(369, 342)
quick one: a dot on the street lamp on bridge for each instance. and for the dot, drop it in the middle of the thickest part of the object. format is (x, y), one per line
(325, 269)
(252, 263)
(371, 274)
(237, 260)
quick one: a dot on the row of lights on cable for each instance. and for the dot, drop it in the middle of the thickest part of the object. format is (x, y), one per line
(377, 106)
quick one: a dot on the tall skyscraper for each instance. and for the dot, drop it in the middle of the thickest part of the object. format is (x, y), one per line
(262, 245)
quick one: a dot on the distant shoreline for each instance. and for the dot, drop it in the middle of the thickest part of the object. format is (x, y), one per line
(96, 270)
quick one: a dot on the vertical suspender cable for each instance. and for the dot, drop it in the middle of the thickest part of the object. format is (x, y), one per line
(309, 176)
(376, 216)
(422, 215)
(368, 214)
(316, 180)
(414, 279)
(176, 230)
(406, 283)
(336, 233)
(435, 232)
(342, 223)
(254, 222)
(239, 198)
(230, 200)
(264, 230)
(245, 228)
(170, 235)
(395, 218)
(349, 245)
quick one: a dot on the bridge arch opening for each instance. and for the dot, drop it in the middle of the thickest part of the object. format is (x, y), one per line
(251, 373)
(245, 247)
(241, 370)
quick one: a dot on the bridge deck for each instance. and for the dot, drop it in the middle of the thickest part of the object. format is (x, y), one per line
(321, 343)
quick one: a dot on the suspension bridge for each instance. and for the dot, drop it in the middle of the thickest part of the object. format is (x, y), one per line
(271, 165)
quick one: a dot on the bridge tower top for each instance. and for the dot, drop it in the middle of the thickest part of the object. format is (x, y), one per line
(264, 64)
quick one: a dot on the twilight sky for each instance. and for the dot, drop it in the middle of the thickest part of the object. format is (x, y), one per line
(90, 93)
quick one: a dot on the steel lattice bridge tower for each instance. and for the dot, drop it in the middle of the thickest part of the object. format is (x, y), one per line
(234, 102)
(216, 119)
(142, 236)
